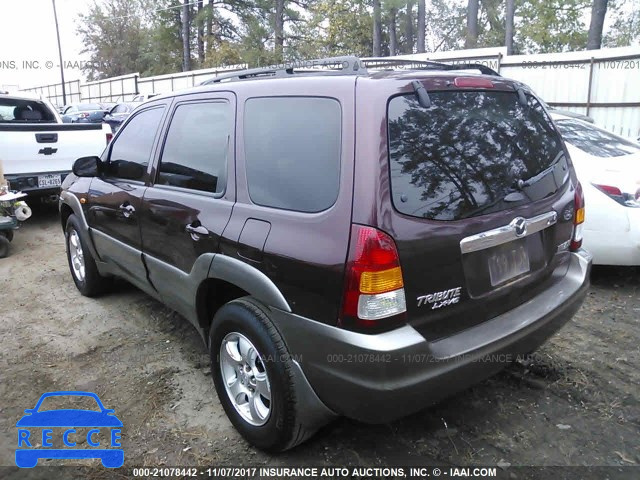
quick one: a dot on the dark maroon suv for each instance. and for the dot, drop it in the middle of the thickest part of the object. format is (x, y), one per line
(350, 237)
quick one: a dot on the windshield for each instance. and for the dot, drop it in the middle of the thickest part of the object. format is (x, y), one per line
(595, 141)
(470, 153)
(27, 111)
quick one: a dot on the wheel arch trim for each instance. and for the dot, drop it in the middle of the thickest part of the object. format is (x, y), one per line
(71, 201)
(249, 279)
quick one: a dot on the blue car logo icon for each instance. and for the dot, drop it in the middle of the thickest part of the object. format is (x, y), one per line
(69, 420)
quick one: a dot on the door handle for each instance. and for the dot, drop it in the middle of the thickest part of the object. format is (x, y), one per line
(127, 210)
(196, 231)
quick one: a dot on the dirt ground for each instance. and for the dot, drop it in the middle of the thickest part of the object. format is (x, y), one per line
(576, 404)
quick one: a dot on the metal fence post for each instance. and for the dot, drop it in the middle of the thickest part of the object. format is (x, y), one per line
(589, 87)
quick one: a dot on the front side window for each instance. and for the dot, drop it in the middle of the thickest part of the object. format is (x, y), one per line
(131, 150)
(470, 153)
(196, 148)
(292, 152)
(595, 141)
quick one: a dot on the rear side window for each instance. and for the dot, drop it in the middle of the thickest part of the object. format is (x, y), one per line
(292, 152)
(467, 154)
(595, 141)
(195, 151)
(131, 150)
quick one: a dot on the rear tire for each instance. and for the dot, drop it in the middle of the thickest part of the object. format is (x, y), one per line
(239, 327)
(81, 263)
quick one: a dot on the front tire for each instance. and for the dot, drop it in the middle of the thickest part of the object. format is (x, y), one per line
(4, 246)
(81, 263)
(252, 373)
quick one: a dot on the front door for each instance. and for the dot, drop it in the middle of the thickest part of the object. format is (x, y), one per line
(115, 197)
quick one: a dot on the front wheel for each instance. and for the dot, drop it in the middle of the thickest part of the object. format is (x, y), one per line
(81, 264)
(4, 246)
(252, 373)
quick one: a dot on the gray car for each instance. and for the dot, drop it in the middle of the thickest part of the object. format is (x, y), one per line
(84, 113)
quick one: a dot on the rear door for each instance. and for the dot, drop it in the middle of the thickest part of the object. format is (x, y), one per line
(188, 205)
(115, 197)
(480, 202)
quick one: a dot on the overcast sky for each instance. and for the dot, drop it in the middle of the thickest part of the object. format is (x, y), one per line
(28, 34)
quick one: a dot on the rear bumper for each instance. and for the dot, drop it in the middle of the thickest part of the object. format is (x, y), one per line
(28, 183)
(378, 378)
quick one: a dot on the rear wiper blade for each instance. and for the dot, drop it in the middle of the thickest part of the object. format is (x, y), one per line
(421, 92)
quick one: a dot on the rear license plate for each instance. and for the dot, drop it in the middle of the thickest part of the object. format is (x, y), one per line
(52, 180)
(508, 262)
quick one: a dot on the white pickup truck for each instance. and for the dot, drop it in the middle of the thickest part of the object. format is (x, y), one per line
(37, 150)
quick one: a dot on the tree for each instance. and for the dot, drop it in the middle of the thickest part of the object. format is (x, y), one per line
(164, 53)
(471, 40)
(446, 28)
(421, 25)
(598, 12)
(186, 36)
(408, 29)
(552, 26)
(393, 36)
(625, 25)
(113, 33)
(200, 22)
(279, 30)
(509, 20)
(209, 21)
(377, 28)
(335, 27)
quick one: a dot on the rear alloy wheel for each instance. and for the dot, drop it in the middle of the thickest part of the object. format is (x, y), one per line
(253, 374)
(245, 378)
(81, 264)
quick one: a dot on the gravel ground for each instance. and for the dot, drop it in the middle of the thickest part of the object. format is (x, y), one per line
(576, 403)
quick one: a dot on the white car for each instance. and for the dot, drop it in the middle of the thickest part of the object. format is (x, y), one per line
(608, 167)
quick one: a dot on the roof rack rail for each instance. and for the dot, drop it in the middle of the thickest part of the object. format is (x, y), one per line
(346, 65)
(428, 65)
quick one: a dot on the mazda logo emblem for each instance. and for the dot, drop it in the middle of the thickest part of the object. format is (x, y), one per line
(520, 225)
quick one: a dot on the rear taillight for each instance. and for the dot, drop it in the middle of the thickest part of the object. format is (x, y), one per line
(614, 193)
(578, 219)
(374, 289)
(109, 137)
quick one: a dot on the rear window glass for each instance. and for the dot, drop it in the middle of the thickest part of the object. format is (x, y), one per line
(292, 152)
(595, 141)
(26, 111)
(470, 153)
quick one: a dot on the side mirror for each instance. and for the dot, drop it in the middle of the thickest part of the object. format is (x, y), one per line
(86, 167)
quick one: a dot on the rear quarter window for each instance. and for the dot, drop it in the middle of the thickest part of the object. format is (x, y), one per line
(292, 152)
(465, 154)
